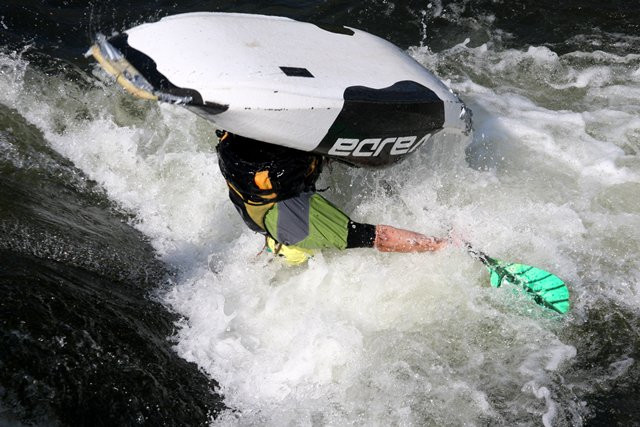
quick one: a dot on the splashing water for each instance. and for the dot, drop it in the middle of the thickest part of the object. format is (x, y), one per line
(550, 177)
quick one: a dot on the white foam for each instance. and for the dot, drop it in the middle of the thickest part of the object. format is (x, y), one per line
(593, 77)
(12, 71)
(367, 338)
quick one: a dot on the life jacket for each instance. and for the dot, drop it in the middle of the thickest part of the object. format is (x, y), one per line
(259, 175)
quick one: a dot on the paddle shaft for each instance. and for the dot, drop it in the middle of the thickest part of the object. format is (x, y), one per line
(481, 256)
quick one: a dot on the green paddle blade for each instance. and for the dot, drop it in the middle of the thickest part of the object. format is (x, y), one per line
(545, 288)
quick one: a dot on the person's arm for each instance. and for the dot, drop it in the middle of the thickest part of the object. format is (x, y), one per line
(390, 239)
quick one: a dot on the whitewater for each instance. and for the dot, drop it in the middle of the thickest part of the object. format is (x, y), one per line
(550, 177)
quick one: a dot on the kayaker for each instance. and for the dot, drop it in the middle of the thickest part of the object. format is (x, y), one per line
(273, 189)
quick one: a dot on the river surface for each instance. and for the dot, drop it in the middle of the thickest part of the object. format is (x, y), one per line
(131, 292)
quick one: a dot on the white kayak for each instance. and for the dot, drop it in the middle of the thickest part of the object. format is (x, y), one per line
(342, 92)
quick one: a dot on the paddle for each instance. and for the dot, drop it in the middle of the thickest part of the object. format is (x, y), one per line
(545, 288)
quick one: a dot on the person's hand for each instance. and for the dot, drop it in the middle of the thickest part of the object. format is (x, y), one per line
(437, 243)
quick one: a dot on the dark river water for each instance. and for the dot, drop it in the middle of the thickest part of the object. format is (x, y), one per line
(130, 293)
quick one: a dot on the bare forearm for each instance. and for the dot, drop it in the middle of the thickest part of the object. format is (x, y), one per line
(391, 239)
